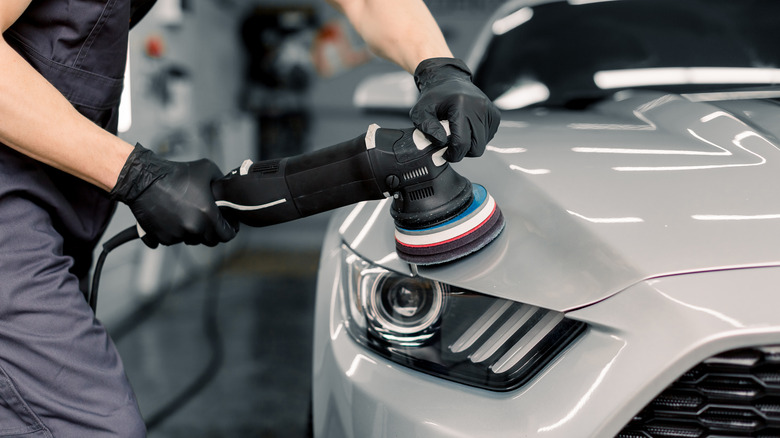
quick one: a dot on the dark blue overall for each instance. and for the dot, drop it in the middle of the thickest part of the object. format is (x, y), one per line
(60, 374)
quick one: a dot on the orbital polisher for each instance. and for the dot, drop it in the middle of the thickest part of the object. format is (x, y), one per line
(439, 215)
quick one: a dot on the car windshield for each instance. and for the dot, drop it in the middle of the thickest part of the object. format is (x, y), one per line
(562, 53)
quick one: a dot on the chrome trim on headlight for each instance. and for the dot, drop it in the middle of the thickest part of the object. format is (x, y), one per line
(452, 333)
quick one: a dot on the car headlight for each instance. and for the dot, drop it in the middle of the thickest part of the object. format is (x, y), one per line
(448, 332)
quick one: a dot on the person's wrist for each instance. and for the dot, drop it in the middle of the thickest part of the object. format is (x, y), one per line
(434, 70)
(140, 170)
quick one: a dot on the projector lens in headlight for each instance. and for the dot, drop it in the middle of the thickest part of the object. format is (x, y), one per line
(397, 309)
(402, 309)
(452, 333)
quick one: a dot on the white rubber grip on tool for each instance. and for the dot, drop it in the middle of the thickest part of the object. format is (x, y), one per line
(422, 142)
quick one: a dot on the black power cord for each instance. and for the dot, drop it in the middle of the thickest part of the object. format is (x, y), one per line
(124, 236)
(210, 328)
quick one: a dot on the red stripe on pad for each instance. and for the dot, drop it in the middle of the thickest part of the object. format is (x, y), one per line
(428, 245)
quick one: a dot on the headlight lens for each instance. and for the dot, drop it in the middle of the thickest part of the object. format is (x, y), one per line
(402, 310)
(452, 333)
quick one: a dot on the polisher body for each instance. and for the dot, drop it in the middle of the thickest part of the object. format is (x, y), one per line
(428, 195)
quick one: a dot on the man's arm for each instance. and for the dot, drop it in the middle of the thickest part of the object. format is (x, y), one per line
(405, 32)
(171, 201)
(402, 31)
(36, 120)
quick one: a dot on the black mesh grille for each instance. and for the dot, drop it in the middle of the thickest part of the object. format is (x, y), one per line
(422, 193)
(266, 167)
(734, 394)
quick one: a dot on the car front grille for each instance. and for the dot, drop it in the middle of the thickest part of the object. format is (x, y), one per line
(734, 394)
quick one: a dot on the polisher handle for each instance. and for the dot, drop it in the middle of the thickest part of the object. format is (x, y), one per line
(274, 191)
(383, 162)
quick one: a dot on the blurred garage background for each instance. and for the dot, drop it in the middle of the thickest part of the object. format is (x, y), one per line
(217, 341)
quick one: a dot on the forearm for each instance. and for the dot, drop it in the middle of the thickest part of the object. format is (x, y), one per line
(402, 31)
(36, 120)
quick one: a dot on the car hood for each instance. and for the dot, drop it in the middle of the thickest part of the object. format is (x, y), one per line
(641, 186)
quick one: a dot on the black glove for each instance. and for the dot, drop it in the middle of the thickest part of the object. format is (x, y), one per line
(172, 201)
(446, 93)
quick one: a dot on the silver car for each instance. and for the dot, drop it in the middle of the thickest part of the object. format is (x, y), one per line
(635, 291)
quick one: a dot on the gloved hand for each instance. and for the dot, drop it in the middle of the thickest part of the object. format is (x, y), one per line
(447, 93)
(172, 201)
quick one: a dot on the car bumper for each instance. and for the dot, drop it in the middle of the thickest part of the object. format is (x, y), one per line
(637, 343)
